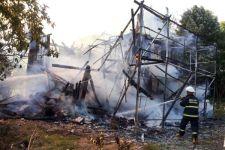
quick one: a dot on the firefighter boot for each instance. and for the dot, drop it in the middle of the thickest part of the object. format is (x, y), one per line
(195, 140)
(179, 136)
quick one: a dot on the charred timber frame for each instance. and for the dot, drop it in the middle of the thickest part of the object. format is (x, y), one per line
(196, 70)
(167, 60)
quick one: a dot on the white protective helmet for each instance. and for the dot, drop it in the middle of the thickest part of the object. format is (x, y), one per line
(190, 89)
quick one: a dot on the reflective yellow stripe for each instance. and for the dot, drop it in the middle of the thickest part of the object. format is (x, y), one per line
(193, 102)
(194, 116)
(194, 133)
(181, 130)
(191, 107)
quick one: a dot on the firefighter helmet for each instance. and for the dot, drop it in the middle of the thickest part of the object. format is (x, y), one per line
(190, 89)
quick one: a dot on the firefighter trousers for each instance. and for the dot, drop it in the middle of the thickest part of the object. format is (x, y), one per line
(194, 126)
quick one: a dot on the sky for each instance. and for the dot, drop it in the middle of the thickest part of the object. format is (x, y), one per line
(78, 19)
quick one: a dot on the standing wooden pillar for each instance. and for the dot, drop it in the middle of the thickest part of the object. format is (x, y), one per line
(215, 93)
(196, 63)
(138, 59)
(166, 69)
(84, 84)
(205, 103)
(32, 55)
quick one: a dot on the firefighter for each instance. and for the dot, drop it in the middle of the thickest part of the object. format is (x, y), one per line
(190, 114)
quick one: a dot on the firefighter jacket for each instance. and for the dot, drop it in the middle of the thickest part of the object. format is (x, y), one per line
(190, 104)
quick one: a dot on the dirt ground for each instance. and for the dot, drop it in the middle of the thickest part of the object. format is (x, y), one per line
(44, 135)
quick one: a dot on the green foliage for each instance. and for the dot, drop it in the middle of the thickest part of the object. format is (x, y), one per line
(221, 37)
(201, 22)
(152, 146)
(20, 22)
(220, 111)
(221, 62)
(13, 135)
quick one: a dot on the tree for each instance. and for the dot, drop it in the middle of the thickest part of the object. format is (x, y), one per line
(20, 21)
(202, 22)
(221, 36)
(221, 62)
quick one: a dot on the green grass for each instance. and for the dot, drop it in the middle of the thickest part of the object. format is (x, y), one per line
(152, 146)
(219, 112)
(55, 141)
(14, 134)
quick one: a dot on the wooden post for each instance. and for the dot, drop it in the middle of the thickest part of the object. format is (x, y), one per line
(137, 64)
(125, 91)
(32, 55)
(93, 89)
(138, 59)
(205, 103)
(84, 84)
(196, 63)
(190, 61)
(133, 27)
(166, 69)
(215, 93)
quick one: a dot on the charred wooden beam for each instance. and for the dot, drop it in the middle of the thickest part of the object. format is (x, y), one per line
(83, 67)
(77, 68)
(86, 78)
(106, 55)
(133, 83)
(97, 111)
(176, 98)
(70, 67)
(148, 63)
(91, 49)
(56, 77)
(168, 74)
(93, 89)
(124, 92)
(150, 59)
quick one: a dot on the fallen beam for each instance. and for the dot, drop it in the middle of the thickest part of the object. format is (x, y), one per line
(162, 83)
(70, 67)
(148, 63)
(124, 93)
(176, 98)
(133, 83)
(168, 74)
(78, 68)
(150, 59)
